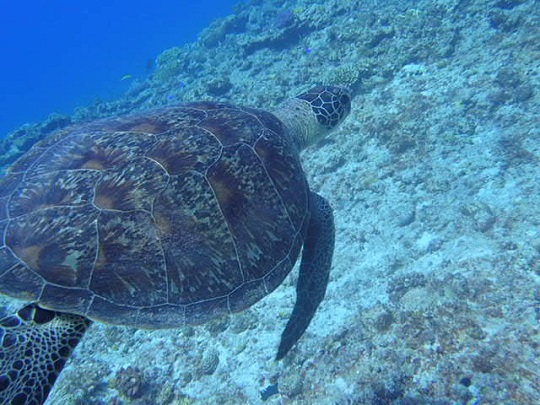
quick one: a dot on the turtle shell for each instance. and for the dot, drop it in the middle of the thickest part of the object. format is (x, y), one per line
(155, 220)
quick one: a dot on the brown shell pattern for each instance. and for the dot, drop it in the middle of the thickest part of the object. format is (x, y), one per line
(154, 220)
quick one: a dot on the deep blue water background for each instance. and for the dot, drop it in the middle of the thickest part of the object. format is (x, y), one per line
(57, 54)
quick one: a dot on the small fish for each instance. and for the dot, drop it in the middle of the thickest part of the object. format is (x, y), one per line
(269, 391)
(126, 77)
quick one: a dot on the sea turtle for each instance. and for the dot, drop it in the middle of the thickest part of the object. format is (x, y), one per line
(159, 219)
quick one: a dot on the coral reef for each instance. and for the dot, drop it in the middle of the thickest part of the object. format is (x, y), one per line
(129, 382)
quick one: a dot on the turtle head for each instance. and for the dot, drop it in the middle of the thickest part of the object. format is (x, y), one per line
(312, 115)
(330, 104)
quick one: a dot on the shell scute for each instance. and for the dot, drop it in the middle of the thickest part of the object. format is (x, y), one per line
(247, 294)
(280, 160)
(253, 210)
(76, 300)
(56, 244)
(232, 125)
(7, 259)
(22, 165)
(198, 247)
(269, 122)
(20, 282)
(130, 266)
(4, 201)
(106, 310)
(132, 185)
(157, 316)
(54, 189)
(186, 149)
(204, 311)
(92, 150)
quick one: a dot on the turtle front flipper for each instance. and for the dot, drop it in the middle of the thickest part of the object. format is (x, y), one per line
(34, 346)
(314, 271)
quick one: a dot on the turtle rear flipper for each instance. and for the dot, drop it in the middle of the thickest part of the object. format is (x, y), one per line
(34, 346)
(314, 271)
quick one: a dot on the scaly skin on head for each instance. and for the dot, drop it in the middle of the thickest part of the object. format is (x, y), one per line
(314, 114)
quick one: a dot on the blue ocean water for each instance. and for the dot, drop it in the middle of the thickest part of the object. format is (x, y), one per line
(57, 55)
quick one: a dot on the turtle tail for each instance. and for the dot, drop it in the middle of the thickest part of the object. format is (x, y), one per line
(35, 344)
